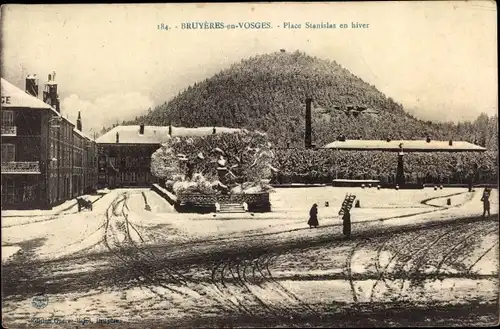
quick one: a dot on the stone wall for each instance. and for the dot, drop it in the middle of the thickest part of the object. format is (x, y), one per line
(203, 203)
(257, 198)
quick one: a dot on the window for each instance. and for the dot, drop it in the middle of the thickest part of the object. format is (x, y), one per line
(8, 152)
(29, 194)
(7, 118)
(8, 193)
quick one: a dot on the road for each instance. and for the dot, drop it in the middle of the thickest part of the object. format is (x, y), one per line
(298, 278)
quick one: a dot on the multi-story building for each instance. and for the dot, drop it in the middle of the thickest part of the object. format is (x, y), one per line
(125, 152)
(46, 160)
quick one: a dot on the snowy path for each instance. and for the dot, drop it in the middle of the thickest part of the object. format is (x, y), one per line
(129, 261)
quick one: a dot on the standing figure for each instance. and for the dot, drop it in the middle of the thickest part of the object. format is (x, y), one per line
(486, 201)
(313, 216)
(346, 219)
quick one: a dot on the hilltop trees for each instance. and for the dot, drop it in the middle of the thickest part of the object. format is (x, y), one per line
(268, 91)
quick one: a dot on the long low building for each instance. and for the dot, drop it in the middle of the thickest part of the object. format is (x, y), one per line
(125, 152)
(404, 145)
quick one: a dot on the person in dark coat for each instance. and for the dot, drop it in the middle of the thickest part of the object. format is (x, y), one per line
(486, 202)
(470, 183)
(346, 219)
(313, 216)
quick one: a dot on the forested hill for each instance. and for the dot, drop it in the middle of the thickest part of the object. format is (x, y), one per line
(268, 92)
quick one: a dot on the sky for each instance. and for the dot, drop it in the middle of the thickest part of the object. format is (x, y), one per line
(112, 63)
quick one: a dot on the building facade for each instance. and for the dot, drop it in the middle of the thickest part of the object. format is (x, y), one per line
(46, 160)
(125, 152)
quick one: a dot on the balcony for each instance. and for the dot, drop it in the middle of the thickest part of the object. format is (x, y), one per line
(21, 167)
(9, 130)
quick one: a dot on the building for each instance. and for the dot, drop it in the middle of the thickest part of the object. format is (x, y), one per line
(125, 152)
(402, 148)
(405, 145)
(46, 160)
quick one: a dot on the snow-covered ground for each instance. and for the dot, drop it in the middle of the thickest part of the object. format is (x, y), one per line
(291, 207)
(8, 252)
(310, 264)
(70, 232)
(63, 234)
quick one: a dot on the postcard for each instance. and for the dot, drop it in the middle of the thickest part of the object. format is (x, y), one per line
(249, 165)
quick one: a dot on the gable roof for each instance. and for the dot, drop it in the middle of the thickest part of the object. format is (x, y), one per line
(408, 146)
(18, 98)
(155, 134)
(81, 134)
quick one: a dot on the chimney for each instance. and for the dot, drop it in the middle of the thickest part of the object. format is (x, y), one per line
(117, 137)
(214, 130)
(141, 129)
(170, 129)
(450, 142)
(428, 139)
(308, 137)
(50, 95)
(79, 122)
(32, 85)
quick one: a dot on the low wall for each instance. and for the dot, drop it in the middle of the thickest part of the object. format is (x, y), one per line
(170, 197)
(297, 185)
(354, 183)
(205, 203)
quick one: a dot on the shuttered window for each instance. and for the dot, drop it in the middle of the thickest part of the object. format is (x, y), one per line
(7, 118)
(8, 152)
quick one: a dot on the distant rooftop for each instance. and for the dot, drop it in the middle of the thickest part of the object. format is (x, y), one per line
(407, 146)
(155, 134)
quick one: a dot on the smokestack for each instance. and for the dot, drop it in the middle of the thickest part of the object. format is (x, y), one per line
(117, 137)
(308, 137)
(32, 85)
(141, 129)
(170, 129)
(79, 122)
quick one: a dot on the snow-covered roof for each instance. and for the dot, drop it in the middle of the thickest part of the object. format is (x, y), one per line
(155, 134)
(18, 98)
(407, 146)
(14, 97)
(81, 133)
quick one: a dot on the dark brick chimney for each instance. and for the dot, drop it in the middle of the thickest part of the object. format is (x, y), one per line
(308, 136)
(141, 129)
(117, 137)
(32, 85)
(50, 95)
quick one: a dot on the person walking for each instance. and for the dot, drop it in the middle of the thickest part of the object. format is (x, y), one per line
(486, 201)
(313, 216)
(470, 183)
(346, 220)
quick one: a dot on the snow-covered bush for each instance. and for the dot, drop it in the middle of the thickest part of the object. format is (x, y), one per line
(235, 161)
